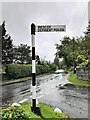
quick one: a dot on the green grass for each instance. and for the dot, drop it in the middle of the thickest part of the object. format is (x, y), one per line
(24, 112)
(46, 111)
(27, 109)
(73, 78)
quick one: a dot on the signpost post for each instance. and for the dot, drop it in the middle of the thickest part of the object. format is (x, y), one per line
(40, 28)
(34, 108)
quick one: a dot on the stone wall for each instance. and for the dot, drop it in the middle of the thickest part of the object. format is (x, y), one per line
(83, 73)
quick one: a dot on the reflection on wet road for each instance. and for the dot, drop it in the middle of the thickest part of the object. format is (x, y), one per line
(72, 100)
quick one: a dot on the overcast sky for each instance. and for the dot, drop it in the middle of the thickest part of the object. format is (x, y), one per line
(20, 15)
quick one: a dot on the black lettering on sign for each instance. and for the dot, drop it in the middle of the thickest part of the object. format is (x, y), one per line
(44, 28)
(62, 29)
(49, 28)
(58, 29)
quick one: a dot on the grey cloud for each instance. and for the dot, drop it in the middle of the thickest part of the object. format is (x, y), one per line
(19, 16)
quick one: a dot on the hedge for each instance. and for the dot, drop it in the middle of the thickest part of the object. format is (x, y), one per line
(14, 71)
(41, 69)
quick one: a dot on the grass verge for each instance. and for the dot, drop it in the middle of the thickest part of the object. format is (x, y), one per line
(46, 111)
(24, 112)
(73, 78)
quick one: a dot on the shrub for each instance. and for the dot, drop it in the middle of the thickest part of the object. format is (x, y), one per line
(13, 113)
(53, 67)
(14, 71)
(41, 69)
(38, 69)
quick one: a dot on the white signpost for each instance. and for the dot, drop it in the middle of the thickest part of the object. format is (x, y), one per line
(40, 28)
(51, 28)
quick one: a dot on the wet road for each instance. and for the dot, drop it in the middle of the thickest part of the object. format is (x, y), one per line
(72, 100)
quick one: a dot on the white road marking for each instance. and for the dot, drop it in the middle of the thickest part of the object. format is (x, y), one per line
(41, 93)
(60, 77)
(30, 96)
(22, 101)
(40, 96)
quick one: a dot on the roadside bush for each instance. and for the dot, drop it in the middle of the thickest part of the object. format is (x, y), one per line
(38, 69)
(13, 113)
(47, 68)
(41, 69)
(14, 71)
(53, 67)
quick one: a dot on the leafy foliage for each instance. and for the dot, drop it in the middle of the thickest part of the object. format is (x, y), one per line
(24, 113)
(14, 71)
(74, 51)
(87, 33)
(13, 113)
(52, 66)
(38, 60)
(11, 53)
(56, 61)
(80, 59)
(7, 46)
(22, 54)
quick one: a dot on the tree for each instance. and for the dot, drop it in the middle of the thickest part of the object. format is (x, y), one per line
(87, 33)
(72, 49)
(7, 46)
(38, 60)
(87, 39)
(80, 59)
(56, 61)
(22, 54)
(64, 50)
